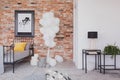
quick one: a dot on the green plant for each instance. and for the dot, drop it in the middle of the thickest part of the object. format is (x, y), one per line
(111, 50)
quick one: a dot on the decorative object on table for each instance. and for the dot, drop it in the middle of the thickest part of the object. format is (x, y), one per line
(1, 60)
(92, 36)
(55, 75)
(111, 50)
(34, 60)
(50, 26)
(24, 23)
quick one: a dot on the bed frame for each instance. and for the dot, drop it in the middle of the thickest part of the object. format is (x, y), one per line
(9, 54)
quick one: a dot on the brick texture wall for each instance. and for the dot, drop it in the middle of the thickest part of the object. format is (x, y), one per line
(63, 9)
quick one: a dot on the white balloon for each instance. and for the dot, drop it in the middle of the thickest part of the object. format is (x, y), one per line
(59, 58)
(50, 26)
(52, 62)
(48, 15)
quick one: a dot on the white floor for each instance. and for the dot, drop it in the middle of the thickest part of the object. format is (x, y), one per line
(24, 71)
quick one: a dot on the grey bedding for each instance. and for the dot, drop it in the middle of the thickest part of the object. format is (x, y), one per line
(17, 56)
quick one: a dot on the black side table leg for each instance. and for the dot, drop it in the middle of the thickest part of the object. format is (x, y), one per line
(82, 59)
(95, 62)
(85, 63)
(104, 64)
(100, 63)
(115, 62)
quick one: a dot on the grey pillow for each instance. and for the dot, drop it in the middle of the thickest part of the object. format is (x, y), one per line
(27, 46)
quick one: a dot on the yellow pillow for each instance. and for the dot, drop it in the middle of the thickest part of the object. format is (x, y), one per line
(19, 47)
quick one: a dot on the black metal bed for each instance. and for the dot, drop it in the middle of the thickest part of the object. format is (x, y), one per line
(9, 56)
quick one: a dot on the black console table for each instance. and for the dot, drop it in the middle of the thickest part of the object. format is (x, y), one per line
(96, 52)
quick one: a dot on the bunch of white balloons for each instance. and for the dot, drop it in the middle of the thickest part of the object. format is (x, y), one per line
(50, 26)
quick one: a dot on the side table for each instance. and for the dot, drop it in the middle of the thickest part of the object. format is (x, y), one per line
(104, 66)
(96, 52)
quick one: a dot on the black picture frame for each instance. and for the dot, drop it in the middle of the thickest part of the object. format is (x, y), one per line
(24, 23)
(92, 34)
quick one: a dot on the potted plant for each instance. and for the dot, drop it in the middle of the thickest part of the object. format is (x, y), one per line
(111, 50)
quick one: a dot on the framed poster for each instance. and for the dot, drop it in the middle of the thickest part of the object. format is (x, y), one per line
(24, 23)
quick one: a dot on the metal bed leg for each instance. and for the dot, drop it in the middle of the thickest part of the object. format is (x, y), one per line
(13, 67)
